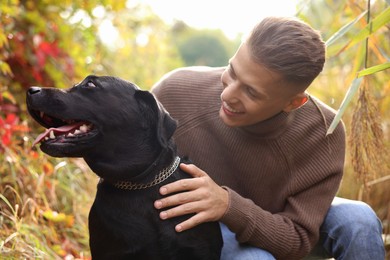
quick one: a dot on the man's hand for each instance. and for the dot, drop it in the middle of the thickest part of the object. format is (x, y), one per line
(199, 195)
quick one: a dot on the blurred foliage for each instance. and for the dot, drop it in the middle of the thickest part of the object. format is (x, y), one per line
(344, 61)
(362, 49)
(39, 44)
(139, 46)
(44, 202)
(203, 47)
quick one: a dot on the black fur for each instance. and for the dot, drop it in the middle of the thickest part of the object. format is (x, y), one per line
(129, 139)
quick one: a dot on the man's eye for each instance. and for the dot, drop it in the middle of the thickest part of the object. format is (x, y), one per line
(250, 92)
(91, 84)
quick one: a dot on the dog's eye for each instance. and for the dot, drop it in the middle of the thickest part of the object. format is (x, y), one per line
(91, 84)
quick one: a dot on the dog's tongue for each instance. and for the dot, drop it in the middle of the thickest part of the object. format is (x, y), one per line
(61, 129)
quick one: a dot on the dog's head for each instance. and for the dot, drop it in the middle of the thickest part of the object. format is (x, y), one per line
(101, 118)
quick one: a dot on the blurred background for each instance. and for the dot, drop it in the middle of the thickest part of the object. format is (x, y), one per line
(44, 202)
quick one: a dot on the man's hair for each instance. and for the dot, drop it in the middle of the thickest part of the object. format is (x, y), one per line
(289, 47)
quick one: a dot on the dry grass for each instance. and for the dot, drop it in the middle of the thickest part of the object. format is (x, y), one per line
(368, 151)
(44, 204)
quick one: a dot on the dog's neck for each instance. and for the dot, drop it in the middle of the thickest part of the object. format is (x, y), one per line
(158, 178)
(157, 172)
(156, 166)
(134, 168)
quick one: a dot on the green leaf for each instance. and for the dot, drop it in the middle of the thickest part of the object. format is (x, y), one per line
(347, 99)
(343, 30)
(381, 20)
(5, 68)
(374, 69)
(3, 38)
(8, 203)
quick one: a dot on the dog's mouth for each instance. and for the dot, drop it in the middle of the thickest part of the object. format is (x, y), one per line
(61, 130)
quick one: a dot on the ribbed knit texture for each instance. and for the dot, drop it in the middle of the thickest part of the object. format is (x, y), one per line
(281, 174)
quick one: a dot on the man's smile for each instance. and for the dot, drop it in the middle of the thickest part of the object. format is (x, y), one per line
(229, 110)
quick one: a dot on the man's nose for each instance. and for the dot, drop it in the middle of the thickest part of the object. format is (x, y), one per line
(231, 92)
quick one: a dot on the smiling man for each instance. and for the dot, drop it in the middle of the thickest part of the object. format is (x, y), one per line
(254, 93)
(263, 164)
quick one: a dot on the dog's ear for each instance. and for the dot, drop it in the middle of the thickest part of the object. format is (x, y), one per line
(156, 116)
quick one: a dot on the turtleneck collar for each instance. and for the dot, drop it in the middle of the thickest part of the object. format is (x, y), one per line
(270, 128)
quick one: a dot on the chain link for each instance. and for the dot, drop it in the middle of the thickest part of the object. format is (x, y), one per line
(162, 176)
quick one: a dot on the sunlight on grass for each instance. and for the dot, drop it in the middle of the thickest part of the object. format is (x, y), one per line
(44, 206)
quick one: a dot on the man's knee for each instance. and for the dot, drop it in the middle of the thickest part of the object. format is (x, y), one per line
(352, 230)
(352, 217)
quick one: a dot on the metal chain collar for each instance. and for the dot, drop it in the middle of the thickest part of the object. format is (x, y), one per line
(162, 176)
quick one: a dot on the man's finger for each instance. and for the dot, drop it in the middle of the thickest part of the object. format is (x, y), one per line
(188, 208)
(180, 186)
(190, 223)
(192, 170)
(173, 200)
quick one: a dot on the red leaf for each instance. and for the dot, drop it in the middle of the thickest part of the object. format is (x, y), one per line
(37, 75)
(6, 138)
(11, 119)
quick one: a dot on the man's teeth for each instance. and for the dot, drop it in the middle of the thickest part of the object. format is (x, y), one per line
(230, 108)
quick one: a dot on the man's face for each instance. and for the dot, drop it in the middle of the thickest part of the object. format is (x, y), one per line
(252, 93)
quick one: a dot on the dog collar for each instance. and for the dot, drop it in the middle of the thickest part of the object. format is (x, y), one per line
(162, 176)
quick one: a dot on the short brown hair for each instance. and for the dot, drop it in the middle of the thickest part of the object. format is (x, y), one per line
(289, 47)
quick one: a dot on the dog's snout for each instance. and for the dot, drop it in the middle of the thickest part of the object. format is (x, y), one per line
(34, 90)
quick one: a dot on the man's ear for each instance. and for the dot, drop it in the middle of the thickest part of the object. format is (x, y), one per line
(296, 102)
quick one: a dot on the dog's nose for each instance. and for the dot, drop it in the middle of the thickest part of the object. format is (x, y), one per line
(34, 90)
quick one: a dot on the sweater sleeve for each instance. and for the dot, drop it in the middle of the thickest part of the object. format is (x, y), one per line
(292, 232)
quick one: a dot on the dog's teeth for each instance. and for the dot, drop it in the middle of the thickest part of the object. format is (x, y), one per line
(77, 132)
(84, 128)
(70, 135)
(46, 138)
(52, 136)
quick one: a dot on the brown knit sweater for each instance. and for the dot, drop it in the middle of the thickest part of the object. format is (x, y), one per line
(281, 174)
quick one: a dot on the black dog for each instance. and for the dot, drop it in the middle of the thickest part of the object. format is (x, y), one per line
(125, 136)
